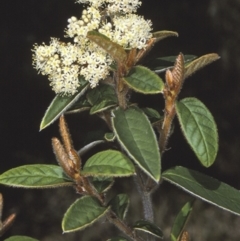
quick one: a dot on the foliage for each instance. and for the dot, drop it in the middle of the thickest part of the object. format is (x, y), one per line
(138, 137)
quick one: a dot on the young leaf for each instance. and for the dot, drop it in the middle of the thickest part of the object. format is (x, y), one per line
(204, 187)
(102, 184)
(143, 80)
(181, 221)
(135, 133)
(108, 163)
(20, 238)
(199, 128)
(119, 205)
(59, 105)
(199, 63)
(149, 227)
(164, 34)
(82, 213)
(35, 176)
(115, 50)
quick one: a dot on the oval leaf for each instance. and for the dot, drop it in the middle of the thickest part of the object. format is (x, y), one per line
(143, 80)
(148, 227)
(159, 35)
(60, 104)
(204, 187)
(180, 221)
(35, 176)
(108, 163)
(102, 184)
(119, 204)
(82, 213)
(20, 238)
(135, 133)
(199, 128)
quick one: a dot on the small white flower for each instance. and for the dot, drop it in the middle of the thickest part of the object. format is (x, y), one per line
(123, 6)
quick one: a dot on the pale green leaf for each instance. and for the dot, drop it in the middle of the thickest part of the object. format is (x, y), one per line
(82, 213)
(135, 133)
(180, 221)
(204, 187)
(148, 227)
(35, 176)
(199, 128)
(108, 163)
(143, 80)
(60, 104)
(119, 204)
(20, 238)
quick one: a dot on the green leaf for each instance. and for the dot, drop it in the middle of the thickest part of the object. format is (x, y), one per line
(102, 184)
(180, 221)
(159, 35)
(199, 128)
(82, 213)
(119, 205)
(148, 227)
(135, 133)
(60, 104)
(199, 63)
(204, 187)
(108, 163)
(115, 50)
(35, 176)
(20, 238)
(110, 137)
(143, 80)
(81, 105)
(152, 114)
(117, 239)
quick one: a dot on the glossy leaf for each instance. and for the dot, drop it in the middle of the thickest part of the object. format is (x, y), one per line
(180, 221)
(199, 63)
(35, 176)
(108, 163)
(149, 227)
(102, 184)
(135, 133)
(143, 80)
(115, 50)
(82, 213)
(119, 204)
(199, 128)
(204, 187)
(20, 238)
(60, 104)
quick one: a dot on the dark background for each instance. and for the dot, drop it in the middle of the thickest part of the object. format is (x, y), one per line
(204, 26)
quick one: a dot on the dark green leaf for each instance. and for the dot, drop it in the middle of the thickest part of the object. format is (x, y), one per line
(117, 239)
(109, 137)
(35, 176)
(148, 227)
(180, 221)
(205, 188)
(108, 163)
(81, 105)
(60, 104)
(135, 133)
(199, 128)
(102, 184)
(82, 213)
(143, 80)
(152, 114)
(20, 238)
(119, 205)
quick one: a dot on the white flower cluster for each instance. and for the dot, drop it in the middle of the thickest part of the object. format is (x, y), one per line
(64, 63)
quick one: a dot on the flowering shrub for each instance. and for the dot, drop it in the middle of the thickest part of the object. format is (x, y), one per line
(97, 72)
